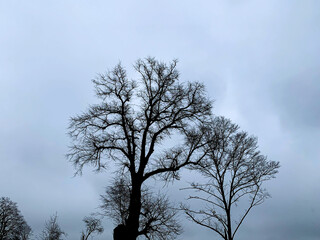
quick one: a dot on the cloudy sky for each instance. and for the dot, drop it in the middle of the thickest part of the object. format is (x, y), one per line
(260, 61)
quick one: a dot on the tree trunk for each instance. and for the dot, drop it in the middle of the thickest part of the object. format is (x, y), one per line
(129, 231)
(229, 224)
(134, 210)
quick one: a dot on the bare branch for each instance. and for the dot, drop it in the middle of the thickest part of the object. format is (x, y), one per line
(12, 223)
(235, 170)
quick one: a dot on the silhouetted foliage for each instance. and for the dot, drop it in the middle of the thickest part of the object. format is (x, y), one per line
(12, 224)
(93, 225)
(52, 230)
(234, 170)
(132, 123)
(157, 216)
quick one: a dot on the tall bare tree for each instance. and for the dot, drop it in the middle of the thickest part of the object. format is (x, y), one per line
(12, 224)
(132, 123)
(234, 170)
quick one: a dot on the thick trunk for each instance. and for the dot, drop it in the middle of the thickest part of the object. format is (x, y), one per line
(134, 209)
(130, 230)
(229, 225)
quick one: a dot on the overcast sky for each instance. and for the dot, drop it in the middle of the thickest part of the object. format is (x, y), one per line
(260, 61)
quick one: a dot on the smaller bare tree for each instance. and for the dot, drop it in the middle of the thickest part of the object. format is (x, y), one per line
(157, 216)
(52, 230)
(93, 225)
(234, 170)
(12, 223)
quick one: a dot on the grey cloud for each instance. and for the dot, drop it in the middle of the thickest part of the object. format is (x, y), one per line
(297, 99)
(258, 59)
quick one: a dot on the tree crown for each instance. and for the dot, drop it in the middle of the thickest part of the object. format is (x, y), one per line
(136, 116)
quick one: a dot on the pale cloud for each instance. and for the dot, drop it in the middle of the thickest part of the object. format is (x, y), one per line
(258, 59)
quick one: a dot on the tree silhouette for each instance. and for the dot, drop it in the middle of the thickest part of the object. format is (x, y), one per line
(52, 230)
(234, 170)
(12, 223)
(93, 225)
(133, 123)
(157, 216)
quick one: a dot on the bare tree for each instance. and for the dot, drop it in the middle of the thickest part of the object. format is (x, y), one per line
(52, 230)
(26, 232)
(93, 225)
(234, 170)
(157, 216)
(132, 123)
(12, 224)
